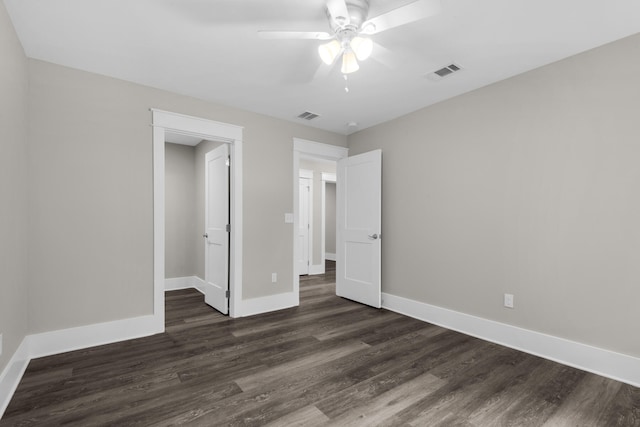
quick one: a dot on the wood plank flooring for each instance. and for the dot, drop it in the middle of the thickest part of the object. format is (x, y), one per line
(329, 362)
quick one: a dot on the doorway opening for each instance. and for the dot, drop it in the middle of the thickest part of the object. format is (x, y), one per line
(178, 124)
(311, 157)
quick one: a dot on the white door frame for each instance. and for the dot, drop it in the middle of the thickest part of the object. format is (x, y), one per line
(303, 147)
(164, 121)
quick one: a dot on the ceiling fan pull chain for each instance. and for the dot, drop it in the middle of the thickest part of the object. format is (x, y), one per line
(346, 83)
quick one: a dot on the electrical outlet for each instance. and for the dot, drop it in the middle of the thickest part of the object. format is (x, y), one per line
(288, 218)
(508, 300)
(274, 277)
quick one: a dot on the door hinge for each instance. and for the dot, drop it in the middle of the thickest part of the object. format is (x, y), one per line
(227, 228)
(227, 293)
(308, 264)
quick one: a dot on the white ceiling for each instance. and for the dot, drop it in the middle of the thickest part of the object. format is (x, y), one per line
(209, 49)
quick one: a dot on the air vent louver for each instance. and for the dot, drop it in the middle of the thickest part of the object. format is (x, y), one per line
(444, 72)
(308, 115)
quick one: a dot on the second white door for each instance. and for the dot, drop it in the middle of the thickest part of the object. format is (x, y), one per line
(358, 218)
(217, 229)
(304, 226)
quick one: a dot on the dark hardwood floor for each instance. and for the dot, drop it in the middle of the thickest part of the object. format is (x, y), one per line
(328, 362)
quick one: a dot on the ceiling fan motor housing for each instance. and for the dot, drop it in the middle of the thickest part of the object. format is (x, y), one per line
(358, 11)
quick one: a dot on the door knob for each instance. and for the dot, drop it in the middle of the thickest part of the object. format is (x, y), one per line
(373, 236)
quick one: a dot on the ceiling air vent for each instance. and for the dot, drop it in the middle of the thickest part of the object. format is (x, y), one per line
(308, 115)
(444, 72)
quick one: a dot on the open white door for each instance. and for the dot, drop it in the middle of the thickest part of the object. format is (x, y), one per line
(217, 235)
(358, 223)
(304, 226)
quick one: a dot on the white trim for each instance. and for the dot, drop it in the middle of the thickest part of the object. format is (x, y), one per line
(12, 374)
(323, 221)
(329, 256)
(158, 225)
(318, 149)
(164, 121)
(187, 282)
(329, 177)
(619, 367)
(269, 303)
(63, 340)
(307, 148)
(305, 173)
(316, 269)
(196, 126)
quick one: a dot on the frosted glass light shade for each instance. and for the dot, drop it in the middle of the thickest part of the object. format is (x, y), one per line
(329, 51)
(362, 47)
(349, 62)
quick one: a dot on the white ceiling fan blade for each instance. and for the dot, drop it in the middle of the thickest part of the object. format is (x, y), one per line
(339, 12)
(286, 35)
(412, 12)
(384, 56)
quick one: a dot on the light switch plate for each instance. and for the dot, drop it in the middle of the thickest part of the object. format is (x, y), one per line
(508, 300)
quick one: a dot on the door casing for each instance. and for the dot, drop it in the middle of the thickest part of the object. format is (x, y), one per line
(310, 149)
(164, 121)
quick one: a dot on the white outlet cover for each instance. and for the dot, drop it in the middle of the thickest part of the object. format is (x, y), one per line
(288, 218)
(274, 277)
(508, 300)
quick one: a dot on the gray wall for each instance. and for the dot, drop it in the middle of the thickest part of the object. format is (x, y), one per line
(529, 186)
(13, 189)
(318, 167)
(181, 237)
(91, 202)
(330, 218)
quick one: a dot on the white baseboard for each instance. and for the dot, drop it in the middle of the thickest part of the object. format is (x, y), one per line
(12, 374)
(61, 341)
(619, 367)
(175, 283)
(330, 256)
(250, 307)
(316, 269)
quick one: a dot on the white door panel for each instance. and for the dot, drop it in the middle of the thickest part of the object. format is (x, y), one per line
(304, 226)
(216, 235)
(358, 246)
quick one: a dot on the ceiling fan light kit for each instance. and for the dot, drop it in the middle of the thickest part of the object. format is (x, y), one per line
(363, 47)
(353, 49)
(329, 51)
(349, 62)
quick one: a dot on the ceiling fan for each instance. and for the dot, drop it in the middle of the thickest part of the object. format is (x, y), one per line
(350, 26)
